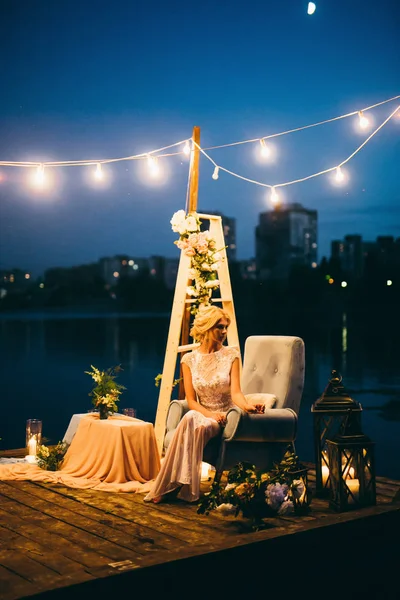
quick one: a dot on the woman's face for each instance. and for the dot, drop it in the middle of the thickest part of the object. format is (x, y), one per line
(220, 330)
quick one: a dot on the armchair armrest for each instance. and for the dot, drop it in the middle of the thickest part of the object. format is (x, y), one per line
(177, 409)
(275, 425)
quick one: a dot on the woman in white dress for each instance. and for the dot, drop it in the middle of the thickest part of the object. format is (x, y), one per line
(211, 378)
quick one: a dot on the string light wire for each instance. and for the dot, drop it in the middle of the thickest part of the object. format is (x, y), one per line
(272, 135)
(286, 183)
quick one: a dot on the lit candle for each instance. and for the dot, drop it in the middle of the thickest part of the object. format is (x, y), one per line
(32, 446)
(354, 487)
(325, 474)
(348, 473)
(205, 467)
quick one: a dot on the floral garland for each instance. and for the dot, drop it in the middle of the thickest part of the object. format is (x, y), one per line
(257, 495)
(201, 248)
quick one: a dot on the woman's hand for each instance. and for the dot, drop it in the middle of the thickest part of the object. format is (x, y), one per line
(220, 418)
(254, 408)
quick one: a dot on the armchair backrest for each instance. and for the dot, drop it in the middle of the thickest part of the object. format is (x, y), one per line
(274, 364)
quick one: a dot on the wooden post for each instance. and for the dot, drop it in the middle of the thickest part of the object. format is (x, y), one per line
(192, 207)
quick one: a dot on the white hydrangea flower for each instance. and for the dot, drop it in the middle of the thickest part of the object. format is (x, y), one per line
(226, 509)
(191, 224)
(212, 284)
(178, 221)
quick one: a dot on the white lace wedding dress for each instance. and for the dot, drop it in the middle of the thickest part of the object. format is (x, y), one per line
(182, 463)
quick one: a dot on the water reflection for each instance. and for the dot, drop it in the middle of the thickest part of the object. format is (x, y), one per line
(43, 363)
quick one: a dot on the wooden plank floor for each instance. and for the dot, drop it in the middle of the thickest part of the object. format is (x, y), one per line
(53, 537)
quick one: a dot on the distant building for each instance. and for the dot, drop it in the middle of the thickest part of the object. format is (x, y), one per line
(120, 266)
(349, 255)
(248, 269)
(357, 258)
(286, 237)
(229, 230)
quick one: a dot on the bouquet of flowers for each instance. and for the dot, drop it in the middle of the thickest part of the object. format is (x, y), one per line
(106, 391)
(50, 459)
(205, 257)
(256, 494)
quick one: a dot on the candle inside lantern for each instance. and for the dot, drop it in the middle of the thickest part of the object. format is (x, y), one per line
(354, 487)
(325, 474)
(205, 467)
(32, 446)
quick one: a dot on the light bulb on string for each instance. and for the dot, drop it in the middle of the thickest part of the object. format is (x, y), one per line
(153, 165)
(274, 197)
(186, 148)
(98, 172)
(339, 175)
(265, 150)
(362, 120)
(39, 176)
(215, 175)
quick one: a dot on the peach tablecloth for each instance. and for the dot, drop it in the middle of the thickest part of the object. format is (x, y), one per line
(118, 454)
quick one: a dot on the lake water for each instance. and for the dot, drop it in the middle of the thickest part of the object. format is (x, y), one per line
(44, 356)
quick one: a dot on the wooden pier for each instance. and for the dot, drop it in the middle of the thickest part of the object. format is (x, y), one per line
(58, 542)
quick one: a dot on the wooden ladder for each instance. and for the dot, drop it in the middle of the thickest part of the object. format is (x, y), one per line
(180, 303)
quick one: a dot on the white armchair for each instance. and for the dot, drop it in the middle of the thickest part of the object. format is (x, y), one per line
(274, 366)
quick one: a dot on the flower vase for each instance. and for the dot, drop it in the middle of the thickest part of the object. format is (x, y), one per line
(103, 412)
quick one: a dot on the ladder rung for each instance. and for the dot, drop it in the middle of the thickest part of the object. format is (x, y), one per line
(190, 300)
(187, 347)
(210, 217)
(221, 299)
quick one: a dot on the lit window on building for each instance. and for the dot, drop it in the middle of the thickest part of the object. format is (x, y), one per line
(389, 282)
(131, 263)
(314, 245)
(153, 272)
(27, 276)
(11, 278)
(314, 265)
(344, 284)
(124, 263)
(116, 274)
(135, 267)
(41, 285)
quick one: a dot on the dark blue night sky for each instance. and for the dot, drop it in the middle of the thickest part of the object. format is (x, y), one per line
(84, 79)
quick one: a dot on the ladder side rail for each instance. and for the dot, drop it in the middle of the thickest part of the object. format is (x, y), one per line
(171, 352)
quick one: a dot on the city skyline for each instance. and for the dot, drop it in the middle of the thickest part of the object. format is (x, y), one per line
(105, 96)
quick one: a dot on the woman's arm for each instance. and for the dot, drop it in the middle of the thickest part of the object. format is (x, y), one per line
(236, 392)
(191, 395)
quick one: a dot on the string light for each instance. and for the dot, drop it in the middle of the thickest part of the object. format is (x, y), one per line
(265, 150)
(153, 165)
(306, 178)
(363, 121)
(99, 172)
(339, 175)
(311, 8)
(39, 176)
(186, 148)
(215, 175)
(275, 201)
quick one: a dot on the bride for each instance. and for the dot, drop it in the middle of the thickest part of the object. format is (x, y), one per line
(211, 379)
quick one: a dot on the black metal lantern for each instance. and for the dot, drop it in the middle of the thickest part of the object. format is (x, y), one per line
(330, 413)
(352, 468)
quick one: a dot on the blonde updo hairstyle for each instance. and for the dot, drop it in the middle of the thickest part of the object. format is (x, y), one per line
(205, 319)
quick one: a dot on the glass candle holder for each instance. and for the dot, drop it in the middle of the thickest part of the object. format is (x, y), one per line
(33, 435)
(130, 412)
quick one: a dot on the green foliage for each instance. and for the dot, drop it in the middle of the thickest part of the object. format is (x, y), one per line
(106, 391)
(51, 459)
(158, 378)
(257, 494)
